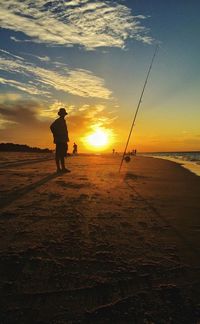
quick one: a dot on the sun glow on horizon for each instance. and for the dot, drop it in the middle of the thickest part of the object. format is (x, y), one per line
(100, 139)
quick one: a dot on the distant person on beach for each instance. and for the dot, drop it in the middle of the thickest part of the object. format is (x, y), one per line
(75, 148)
(113, 151)
(61, 139)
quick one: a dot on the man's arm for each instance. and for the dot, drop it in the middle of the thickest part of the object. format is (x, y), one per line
(52, 127)
(67, 136)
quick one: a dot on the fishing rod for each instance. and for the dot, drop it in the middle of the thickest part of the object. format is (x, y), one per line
(138, 106)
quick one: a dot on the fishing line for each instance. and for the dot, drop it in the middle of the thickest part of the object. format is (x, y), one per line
(138, 106)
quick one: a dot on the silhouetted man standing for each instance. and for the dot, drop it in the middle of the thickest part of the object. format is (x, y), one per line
(60, 135)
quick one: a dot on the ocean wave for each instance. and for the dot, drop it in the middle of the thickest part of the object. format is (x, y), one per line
(189, 160)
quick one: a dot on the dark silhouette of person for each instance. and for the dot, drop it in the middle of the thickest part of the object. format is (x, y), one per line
(61, 139)
(113, 151)
(75, 148)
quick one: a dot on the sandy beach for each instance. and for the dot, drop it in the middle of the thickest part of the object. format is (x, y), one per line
(96, 246)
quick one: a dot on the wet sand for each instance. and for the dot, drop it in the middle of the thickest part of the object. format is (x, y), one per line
(96, 246)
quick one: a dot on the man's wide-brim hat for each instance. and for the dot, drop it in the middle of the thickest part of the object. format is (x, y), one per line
(62, 112)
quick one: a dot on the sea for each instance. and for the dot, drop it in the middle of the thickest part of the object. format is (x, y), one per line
(189, 160)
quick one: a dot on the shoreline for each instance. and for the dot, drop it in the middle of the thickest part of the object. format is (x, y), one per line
(189, 165)
(192, 166)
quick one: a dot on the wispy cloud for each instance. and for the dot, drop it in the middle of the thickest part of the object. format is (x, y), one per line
(51, 111)
(4, 124)
(10, 54)
(85, 115)
(78, 82)
(40, 58)
(43, 58)
(30, 89)
(88, 117)
(15, 39)
(87, 23)
(9, 97)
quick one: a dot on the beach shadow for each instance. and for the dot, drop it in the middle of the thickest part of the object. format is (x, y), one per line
(23, 162)
(18, 193)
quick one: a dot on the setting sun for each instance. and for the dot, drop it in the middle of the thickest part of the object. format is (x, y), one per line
(99, 139)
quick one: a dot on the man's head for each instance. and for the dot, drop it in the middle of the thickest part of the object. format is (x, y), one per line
(62, 112)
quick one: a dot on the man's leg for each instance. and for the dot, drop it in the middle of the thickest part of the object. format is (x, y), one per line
(61, 149)
(58, 163)
(62, 160)
(57, 157)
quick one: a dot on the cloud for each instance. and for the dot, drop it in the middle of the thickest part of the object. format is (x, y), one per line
(20, 111)
(9, 97)
(87, 23)
(82, 119)
(77, 82)
(43, 58)
(87, 117)
(25, 121)
(80, 116)
(15, 39)
(51, 111)
(4, 124)
(20, 124)
(40, 58)
(15, 109)
(10, 54)
(32, 90)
